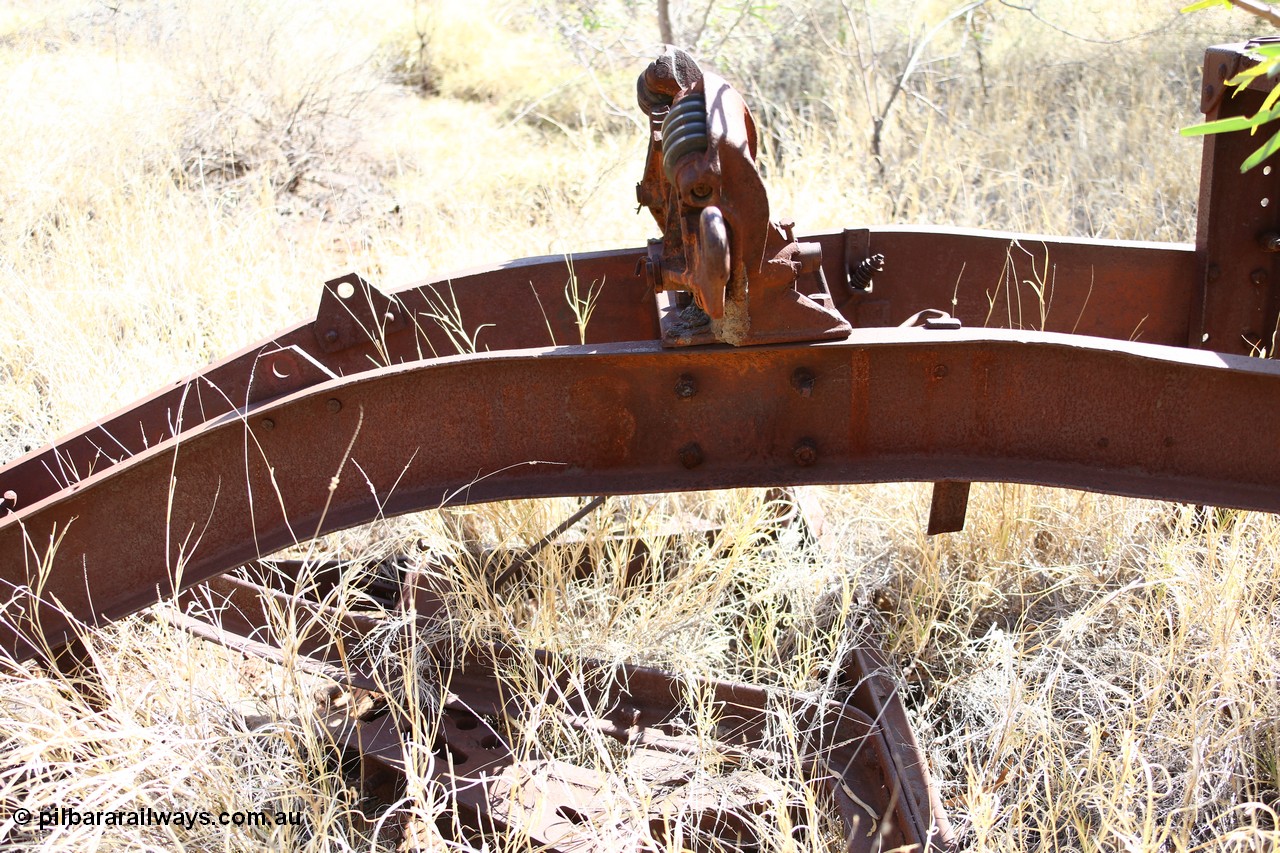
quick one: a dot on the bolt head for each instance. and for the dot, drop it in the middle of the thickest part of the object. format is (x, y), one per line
(691, 455)
(802, 380)
(686, 387)
(268, 424)
(331, 336)
(806, 453)
(334, 405)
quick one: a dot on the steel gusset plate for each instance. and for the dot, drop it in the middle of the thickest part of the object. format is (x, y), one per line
(885, 405)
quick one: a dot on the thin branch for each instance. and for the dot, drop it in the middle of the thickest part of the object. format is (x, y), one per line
(1031, 10)
(1259, 10)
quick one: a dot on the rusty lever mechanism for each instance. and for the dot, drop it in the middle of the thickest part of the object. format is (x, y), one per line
(718, 243)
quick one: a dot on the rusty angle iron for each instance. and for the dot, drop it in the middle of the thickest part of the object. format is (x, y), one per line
(1138, 377)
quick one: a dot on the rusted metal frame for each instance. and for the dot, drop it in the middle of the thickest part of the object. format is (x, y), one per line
(1117, 290)
(508, 306)
(892, 404)
(853, 750)
(866, 677)
(846, 753)
(991, 279)
(1238, 222)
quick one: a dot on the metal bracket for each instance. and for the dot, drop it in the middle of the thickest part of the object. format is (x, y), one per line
(283, 370)
(948, 506)
(859, 267)
(354, 312)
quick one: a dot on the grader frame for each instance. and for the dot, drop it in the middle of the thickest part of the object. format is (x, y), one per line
(1121, 367)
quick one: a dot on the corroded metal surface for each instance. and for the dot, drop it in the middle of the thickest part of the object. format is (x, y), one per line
(892, 404)
(747, 274)
(1126, 291)
(851, 744)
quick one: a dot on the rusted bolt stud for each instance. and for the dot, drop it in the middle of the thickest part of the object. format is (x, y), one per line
(806, 452)
(686, 387)
(334, 405)
(1258, 276)
(802, 380)
(1269, 241)
(268, 424)
(691, 455)
(331, 336)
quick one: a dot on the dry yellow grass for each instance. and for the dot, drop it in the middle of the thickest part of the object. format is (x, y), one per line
(1085, 672)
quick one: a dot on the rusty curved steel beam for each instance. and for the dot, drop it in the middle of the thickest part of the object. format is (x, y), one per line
(885, 405)
(1120, 290)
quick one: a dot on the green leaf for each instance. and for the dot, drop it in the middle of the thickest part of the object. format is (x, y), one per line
(1244, 77)
(1271, 146)
(1271, 99)
(1205, 4)
(1222, 125)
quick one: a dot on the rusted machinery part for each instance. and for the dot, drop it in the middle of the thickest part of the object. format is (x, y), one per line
(1115, 290)
(856, 749)
(886, 405)
(718, 243)
(847, 753)
(1236, 306)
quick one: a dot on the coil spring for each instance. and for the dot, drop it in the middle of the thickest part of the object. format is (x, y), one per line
(684, 131)
(860, 278)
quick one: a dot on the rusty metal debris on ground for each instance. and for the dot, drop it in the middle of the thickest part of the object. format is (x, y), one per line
(1135, 373)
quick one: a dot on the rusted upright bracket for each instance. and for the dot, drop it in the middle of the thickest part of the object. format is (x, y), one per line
(718, 243)
(1238, 222)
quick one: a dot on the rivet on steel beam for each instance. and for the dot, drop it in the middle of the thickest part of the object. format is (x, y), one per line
(940, 371)
(9, 501)
(267, 423)
(389, 317)
(1269, 241)
(1214, 272)
(691, 455)
(334, 405)
(331, 336)
(1258, 276)
(686, 387)
(802, 380)
(806, 452)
